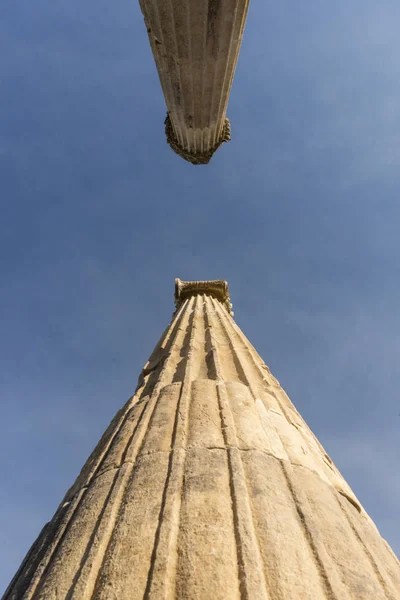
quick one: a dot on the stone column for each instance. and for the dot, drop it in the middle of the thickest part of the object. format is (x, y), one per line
(208, 484)
(195, 44)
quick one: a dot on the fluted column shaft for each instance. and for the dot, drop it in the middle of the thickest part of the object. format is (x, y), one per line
(208, 484)
(196, 44)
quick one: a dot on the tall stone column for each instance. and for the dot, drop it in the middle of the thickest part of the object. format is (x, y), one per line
(208, 484)
(195, 44)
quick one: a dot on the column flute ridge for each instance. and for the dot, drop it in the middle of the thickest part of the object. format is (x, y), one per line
(253, 584)
(167, 531)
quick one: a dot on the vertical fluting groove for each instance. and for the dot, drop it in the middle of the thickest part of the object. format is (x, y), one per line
(120, 486)
(63, 530)
(20, 582)
(31, 552)
(258, 362)
(169, 93)
(91, 551)
(208, 308)
(247, 381)
(251, 570)
(249, 345)
(369, 555)
(248, 348)
(161, 579)
(335, 590)
(222, 319)
(171, 331)
(223, 99)
(147, 7)
(230, 324)
(42, 568)
(178, 71)
(189, 20)
(24, 577)
(235, 60)
(203, 78)
(214, 125)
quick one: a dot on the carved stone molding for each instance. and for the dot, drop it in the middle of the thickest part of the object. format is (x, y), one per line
(193, 156)
(217, 288)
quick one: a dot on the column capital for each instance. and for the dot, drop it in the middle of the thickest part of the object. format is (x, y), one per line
(218, 288)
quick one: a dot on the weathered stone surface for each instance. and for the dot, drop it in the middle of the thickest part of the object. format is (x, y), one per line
(195, 45)
(208, 484)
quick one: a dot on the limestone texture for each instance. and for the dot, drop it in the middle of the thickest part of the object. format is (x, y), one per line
(195, 44)
(208, 485)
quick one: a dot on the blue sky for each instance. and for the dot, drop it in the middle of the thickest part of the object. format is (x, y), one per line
(299, 212)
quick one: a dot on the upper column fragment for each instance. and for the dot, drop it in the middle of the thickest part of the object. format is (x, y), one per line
(195, 44)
